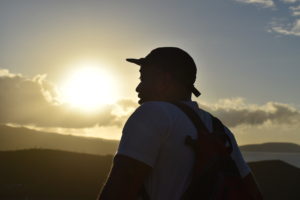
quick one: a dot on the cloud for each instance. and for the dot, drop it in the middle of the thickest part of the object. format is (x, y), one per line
(264, 3)
(286, 29)
(289, 24)
(6, 73)
(295, 10)
(290, 1)
(235, 112)
(35, 101)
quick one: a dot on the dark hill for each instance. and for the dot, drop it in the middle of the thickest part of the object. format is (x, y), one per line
(49, 174)
(278, 180)
(272, 147)
(13, 138)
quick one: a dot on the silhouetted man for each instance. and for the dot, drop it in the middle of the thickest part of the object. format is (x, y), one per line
(152, 155)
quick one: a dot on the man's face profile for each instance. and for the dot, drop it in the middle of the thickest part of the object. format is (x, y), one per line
(150, 86)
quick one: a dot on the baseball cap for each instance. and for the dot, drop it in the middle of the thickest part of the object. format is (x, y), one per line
(174, 60)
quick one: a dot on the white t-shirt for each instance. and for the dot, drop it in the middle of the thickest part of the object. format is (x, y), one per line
(155, 134)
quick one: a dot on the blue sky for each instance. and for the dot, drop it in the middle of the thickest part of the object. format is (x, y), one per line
(247, 51)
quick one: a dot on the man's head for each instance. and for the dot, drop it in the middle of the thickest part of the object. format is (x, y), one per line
(167, 74)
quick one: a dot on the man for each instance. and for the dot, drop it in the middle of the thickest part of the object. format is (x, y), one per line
(152, 156)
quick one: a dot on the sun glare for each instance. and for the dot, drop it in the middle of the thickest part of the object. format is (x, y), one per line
(89, 88)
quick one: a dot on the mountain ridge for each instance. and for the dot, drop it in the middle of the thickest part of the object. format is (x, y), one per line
(272, 147)
(55, 174)
(14, 138)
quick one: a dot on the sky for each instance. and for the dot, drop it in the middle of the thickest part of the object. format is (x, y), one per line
(246, 51)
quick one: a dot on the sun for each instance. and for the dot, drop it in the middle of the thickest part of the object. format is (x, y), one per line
(89, 88)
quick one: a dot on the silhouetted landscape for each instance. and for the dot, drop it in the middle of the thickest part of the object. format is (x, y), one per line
(41, 165)
(67, 90)
(50, 174)
(272, 147)
(14, 138)
(53, 174)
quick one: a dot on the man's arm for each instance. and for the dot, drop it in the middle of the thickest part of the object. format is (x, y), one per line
(125, 179)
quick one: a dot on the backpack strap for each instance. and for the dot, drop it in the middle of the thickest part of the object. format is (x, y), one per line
(193, 116)
(219, 130)
(218, 127)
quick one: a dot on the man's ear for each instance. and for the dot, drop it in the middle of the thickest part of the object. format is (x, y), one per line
(166, 81)
(171, 81)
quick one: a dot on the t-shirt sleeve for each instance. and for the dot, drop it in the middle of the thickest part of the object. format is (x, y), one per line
(237, 156)
(144, 133)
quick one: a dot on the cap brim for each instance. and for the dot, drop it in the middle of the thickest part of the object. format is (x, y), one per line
(136, 61)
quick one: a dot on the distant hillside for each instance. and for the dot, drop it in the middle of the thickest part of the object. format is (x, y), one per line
(12, 138)
(48, 174)
(277, 179)
(272, 147)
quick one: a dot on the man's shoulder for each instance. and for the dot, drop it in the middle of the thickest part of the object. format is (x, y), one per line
(156, 107)
(169, 108)
(167, 105)
(151, 112)
(155, 104)
(168, 111)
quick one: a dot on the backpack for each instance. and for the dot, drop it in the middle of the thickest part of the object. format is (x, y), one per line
(215, 174)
